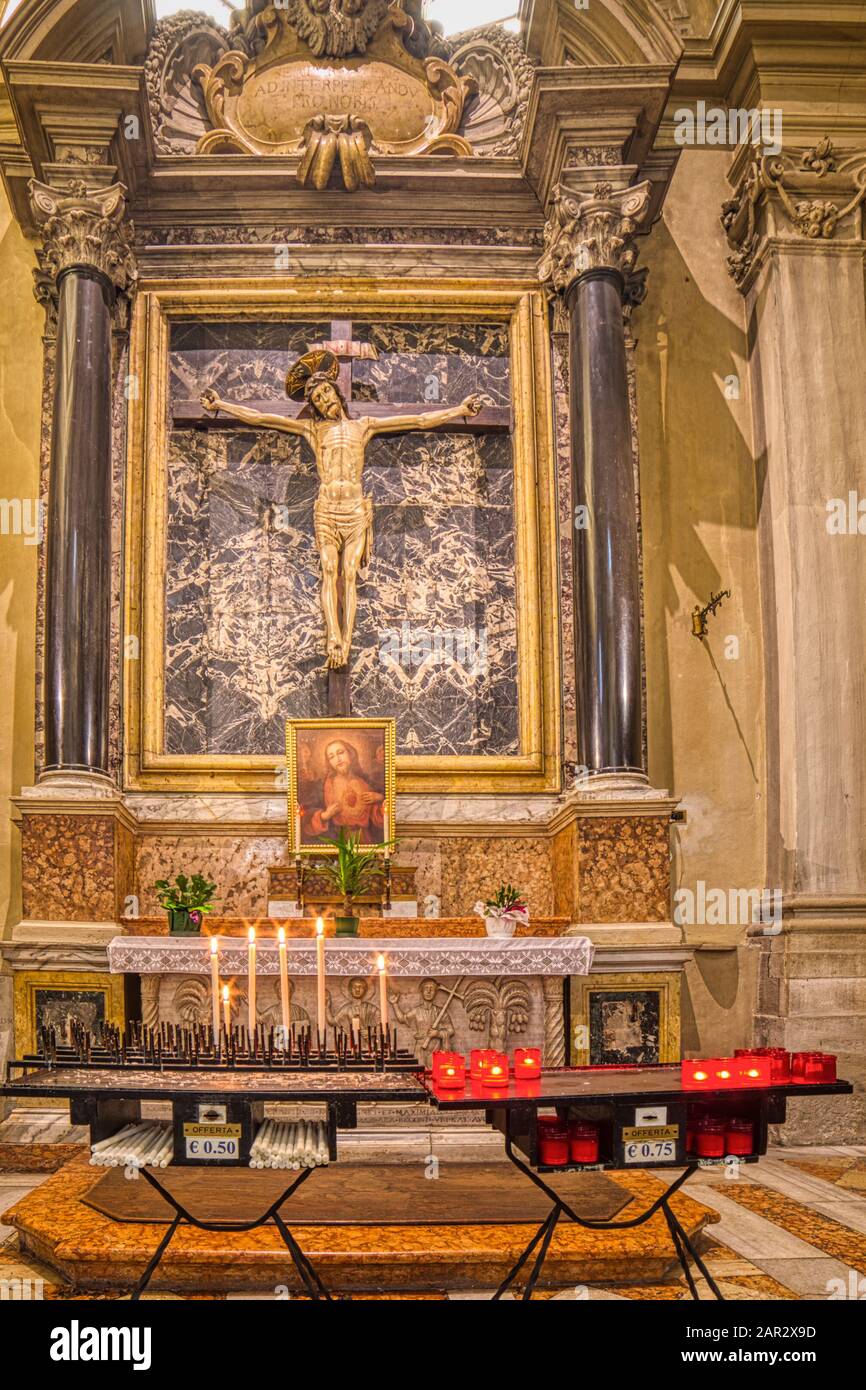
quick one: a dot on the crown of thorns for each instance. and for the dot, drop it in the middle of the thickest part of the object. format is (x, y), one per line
(310, 371)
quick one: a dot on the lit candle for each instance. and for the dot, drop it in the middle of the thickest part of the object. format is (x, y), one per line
(383, 991)
(284, 984)
(227, 1010)
(251, 981)
(321, 1021)
(527, 1063)
(496, 1073)
(215, 984)
(386, 828)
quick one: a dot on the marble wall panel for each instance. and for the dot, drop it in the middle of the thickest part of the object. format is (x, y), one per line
(566, 519)
(435, 642)
(473, 867)
(623, 869)
(237, 864)
(75, 868)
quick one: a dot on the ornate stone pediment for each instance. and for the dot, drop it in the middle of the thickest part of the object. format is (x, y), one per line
(330, 80)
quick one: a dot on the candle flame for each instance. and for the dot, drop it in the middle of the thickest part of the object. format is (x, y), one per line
(225, 994)
(281, 935)
(214, 945)
(320, 926)
(380, 963)
(252, 935)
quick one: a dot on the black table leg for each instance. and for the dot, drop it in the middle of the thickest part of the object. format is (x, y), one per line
(682, 1245)
(309, 1277)
(154, 1261)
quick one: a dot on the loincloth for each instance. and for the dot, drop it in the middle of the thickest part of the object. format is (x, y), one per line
(341, 525)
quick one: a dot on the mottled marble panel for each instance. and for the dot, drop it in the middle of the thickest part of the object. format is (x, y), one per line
(237, 864)
(566, 519)
(74, 868)
(563, 868)
(436, 637)
(623, 869)
(474, 866)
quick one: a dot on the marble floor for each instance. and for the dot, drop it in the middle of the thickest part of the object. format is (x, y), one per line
(790, 1227)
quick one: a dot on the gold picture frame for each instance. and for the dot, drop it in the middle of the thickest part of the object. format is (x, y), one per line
(521, 306)
(666, 985)
(311, 761)
(28, 984)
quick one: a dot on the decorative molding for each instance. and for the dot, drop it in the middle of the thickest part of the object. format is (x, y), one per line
(82, 228)
(291, 98)
(222, 234)
(178, 45)
(554, 1022)
(503, 73)
(809, 194)
(591, 231)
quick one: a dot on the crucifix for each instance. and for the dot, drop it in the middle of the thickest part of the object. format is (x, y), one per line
(321, 382)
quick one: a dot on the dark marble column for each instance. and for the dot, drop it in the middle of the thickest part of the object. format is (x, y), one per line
(86, 258)
(590, 254)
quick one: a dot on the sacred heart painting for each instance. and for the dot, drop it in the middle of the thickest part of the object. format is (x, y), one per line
(341, 777)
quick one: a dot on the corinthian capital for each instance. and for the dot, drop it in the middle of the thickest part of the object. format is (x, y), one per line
(83, 228)
(591, 231)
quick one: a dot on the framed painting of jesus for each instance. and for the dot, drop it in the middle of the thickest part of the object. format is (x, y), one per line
(340, 777)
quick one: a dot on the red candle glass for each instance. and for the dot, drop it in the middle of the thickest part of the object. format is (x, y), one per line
(780, 1060)
(710, 1137)
(739, 1137)
(527, 1063)
(583, 1142)
(449, 1071)
(496, 1072)
(552, 1141)
(480, 1059)
(807, 1068)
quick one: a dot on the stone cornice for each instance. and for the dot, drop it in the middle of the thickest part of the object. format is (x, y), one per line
(592, 231)
(814, 196)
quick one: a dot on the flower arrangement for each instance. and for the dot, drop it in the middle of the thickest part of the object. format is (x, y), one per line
(185, 901)
(504, 912)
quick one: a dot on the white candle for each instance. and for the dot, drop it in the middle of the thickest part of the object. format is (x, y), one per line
(251, 981)
(215, 984)
(284, 985)
(227, 1010)
(386, 828)
(383, 991)
(297, 830)
(321, 1021)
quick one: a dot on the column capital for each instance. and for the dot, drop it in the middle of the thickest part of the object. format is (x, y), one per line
(82, 229)
(809, 198)
(589, 231)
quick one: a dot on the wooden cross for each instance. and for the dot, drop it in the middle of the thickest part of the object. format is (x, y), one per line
(347, 351)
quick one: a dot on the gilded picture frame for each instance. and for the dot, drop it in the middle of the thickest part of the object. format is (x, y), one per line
(341, 775)
(106, 991)
(634, 994)
(536, 766)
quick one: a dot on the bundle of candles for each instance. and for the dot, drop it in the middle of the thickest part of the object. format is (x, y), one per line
(280, 1144)
(145, 1144)
(487, 1067)
(197, 1047)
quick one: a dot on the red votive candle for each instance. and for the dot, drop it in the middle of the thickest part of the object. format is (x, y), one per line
(583, 1142)
(552, 1141)
(828, 1066)
(738, 1137)
(480, 1059)
(496, 1072)
(527, 1063)
(780, 1060)
(710, 1137)
(807, 1068)
(449, 1071)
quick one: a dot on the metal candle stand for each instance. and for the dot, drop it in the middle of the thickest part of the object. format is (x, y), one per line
(617, 1099)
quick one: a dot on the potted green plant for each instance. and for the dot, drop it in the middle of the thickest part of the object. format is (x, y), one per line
(504, 912)
(351, 870)
(185, 901)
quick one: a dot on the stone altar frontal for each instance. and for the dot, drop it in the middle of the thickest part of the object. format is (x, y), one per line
(444, 992)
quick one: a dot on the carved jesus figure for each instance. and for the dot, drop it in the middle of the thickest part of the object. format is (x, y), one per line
(343, 515)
